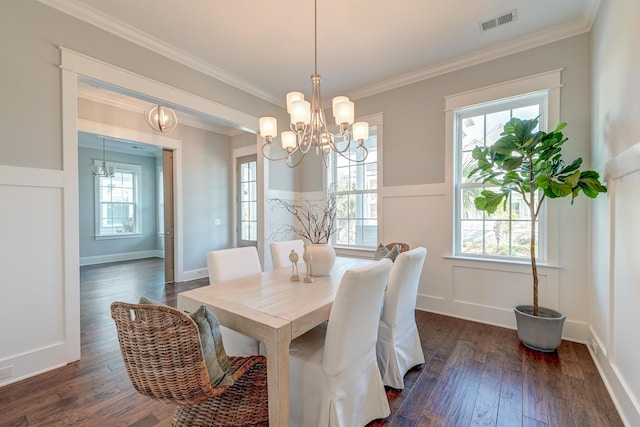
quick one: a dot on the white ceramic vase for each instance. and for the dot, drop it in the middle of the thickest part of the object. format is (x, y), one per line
(323, 256)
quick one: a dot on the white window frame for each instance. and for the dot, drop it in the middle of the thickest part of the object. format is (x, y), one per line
(136, 170)
(240, 161)
(377, 121)
(548, 83)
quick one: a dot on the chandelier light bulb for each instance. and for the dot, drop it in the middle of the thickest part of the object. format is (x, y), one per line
(293, 97)
(268, 127)
(360, 131)
(300, 112)
(343, 112)
(337, 100)
(288, 140)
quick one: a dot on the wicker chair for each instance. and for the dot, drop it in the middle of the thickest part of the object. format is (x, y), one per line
(403, 247)
(164, 360)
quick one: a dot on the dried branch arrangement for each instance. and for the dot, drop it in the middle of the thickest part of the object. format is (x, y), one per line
(314, 223)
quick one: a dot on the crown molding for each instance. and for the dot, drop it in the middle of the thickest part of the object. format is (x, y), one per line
(91, 16)
(537, 39)
(122, 30)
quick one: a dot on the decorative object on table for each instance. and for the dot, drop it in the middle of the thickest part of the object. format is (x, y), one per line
(314, 223)
(529, 162)
(307, 258)
(309, 127)
(323, 256)
(280, 250)
(294, 257)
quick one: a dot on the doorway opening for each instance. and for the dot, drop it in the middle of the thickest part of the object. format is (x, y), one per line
(75, 68)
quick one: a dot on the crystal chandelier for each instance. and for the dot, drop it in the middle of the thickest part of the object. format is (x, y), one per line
(103, 170)
(308, 124)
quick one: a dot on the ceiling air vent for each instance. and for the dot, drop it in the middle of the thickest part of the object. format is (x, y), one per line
(505, 18)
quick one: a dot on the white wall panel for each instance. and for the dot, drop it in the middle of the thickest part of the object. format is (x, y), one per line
(496, 288)
(421, 217)
(626, 316)
(31, 260)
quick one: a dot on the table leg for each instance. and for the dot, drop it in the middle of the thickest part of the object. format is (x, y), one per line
(278, 376)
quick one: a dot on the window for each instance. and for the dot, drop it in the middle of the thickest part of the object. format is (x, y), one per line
(247, 201)
(505, 233)
(117, 210)
(356, 186)
(477, 119)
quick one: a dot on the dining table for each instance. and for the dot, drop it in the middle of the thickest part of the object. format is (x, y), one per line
(273, 309)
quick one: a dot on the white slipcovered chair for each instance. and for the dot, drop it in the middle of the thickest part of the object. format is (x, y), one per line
(229, 264)
(398, 348)
(334, 378)
(280, 252)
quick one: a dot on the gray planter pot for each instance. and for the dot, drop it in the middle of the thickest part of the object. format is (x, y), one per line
(542, 332)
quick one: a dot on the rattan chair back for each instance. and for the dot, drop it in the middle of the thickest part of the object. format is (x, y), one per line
(403, 247)
(164, 360)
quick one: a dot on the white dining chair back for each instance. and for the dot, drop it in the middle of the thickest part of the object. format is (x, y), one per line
(280, 252)
(229, 264)
(334, 376)
(398, 348)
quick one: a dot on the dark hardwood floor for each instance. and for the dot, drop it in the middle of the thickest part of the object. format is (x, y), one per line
(474, 375)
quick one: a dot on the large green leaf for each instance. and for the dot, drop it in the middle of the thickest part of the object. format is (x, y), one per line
(511, 163)
(560, 189)
(572, 180)
(489, 201)
(505, 145)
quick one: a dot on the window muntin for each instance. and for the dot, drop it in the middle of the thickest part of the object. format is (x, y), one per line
(356, 186)
(506, 233)
(117, 208)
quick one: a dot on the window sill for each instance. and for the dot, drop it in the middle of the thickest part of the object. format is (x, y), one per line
(489, 261)
(364, 253)
(119, 236)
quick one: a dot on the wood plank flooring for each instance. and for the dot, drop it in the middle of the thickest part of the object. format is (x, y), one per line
(474, 375)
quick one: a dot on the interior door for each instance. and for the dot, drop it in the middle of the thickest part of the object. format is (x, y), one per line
(247, 201)
(167, 185)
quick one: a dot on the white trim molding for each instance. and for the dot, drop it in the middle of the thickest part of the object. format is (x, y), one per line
(74, 66)
(98, 70)
(128, 256)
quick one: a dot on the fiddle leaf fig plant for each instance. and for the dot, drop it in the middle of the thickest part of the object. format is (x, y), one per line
(529, 162)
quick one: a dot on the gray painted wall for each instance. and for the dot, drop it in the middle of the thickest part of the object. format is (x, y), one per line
(414, 144)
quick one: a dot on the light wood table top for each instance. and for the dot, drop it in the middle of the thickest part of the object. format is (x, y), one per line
(274, 310)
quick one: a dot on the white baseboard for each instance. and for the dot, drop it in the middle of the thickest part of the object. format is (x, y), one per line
(497, 316)
(627, 405)
(32, 363)
(194, 274)
(127, 256)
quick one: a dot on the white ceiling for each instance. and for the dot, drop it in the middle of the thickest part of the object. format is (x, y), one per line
(364, 46)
